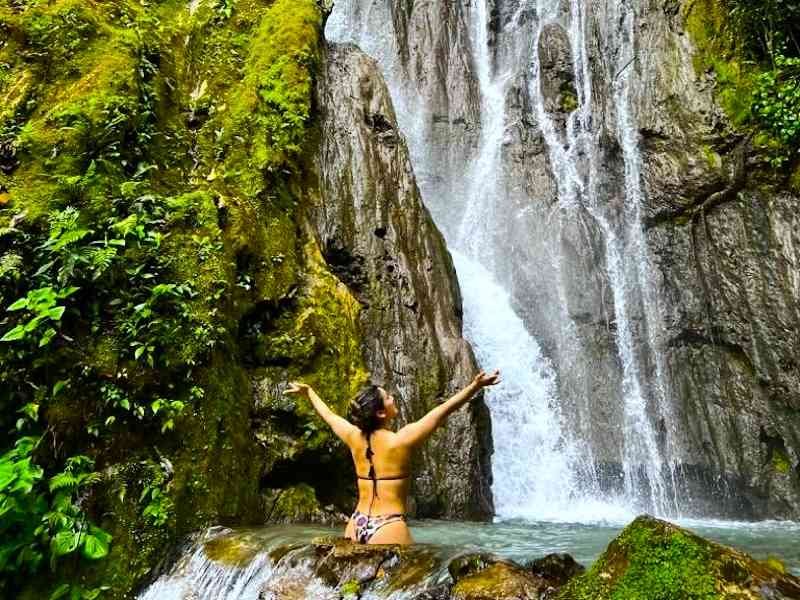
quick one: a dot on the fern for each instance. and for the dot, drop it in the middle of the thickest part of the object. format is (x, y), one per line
(99, 259)
(11, 265)
(63, 481)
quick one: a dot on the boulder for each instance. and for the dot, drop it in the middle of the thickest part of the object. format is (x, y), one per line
(557, 569)
(654, 560)
(500, 580)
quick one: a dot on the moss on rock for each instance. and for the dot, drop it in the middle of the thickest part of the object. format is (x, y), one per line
(203, 114)
(655, 560)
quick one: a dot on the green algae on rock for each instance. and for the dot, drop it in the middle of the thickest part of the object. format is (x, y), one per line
(109, 104)
(500, 580)
(655, 560)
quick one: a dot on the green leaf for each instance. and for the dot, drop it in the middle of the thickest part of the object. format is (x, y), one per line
(95, 544)
(62, 481)
(18, 305)
(44, 268)
(60, 591)
(47, 337)
(7, 474)
(30, 410)
(59, 385)
(56, 313)
(15, 334)
(63, 543)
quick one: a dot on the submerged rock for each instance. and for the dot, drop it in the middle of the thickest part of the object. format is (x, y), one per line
(653, 559)
(558, 569)
(341, 563)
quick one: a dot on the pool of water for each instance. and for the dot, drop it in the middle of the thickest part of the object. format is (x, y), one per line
(523, 541)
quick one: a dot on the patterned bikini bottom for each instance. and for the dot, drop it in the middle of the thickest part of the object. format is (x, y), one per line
(367, 526)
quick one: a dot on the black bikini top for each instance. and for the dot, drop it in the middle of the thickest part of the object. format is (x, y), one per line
(371, 475)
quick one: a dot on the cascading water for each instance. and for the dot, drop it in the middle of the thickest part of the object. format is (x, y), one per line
(543, 469)
(535, 461)
(626, 253)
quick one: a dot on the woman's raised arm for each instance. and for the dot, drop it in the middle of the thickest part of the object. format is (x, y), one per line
(343, 428)
(417, 432)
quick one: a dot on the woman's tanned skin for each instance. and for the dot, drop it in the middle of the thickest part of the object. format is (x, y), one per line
(392, 452)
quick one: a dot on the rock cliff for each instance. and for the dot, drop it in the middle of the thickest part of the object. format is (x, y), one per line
(378, 237)
(648, 244)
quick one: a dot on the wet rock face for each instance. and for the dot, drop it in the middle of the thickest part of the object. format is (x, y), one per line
(724, 235)
(383, 569)
(557, 80)
(655, 559)
(380, 240)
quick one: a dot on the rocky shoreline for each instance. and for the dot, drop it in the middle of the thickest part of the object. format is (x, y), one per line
(649, 560)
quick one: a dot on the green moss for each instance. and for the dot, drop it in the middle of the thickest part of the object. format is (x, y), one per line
(350, 588)
(794, 182)
(330, 313)
(569, 100)
(296, 503)
(112, 103)
(659, 567)
(648, 562)
(705, 20)
(56, 31)
(85, 119)
(713, 159)
(273, 103)
(776, 564)
(780, 462)
(742, 85)
(231, 550)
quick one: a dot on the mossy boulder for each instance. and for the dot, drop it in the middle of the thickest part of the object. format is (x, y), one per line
(655, 560)
(501, 580)
(299, 504)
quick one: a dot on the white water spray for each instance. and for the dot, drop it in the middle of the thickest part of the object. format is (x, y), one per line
(542, 470)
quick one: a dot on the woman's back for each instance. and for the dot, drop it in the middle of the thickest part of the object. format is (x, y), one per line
(391, 460)
(382, 458)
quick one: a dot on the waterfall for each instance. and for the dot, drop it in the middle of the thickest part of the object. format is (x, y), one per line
(546, 462)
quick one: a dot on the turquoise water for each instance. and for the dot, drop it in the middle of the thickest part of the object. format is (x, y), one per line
(523, 541)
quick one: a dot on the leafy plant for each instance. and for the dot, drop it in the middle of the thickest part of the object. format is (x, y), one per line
(42, 303)
(158, 506)
(42, 519)
(777, 104)
(767, 38)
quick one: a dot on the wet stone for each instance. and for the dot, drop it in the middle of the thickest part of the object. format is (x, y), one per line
(556, 569)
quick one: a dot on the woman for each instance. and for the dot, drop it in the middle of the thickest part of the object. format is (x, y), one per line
(382, 456)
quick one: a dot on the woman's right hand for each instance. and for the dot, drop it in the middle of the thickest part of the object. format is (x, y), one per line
(297, 387)
(483, 380)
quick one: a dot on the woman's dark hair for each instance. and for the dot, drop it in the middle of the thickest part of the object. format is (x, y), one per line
(364, 408)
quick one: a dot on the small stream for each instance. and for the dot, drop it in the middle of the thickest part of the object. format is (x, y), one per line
(248, 572)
